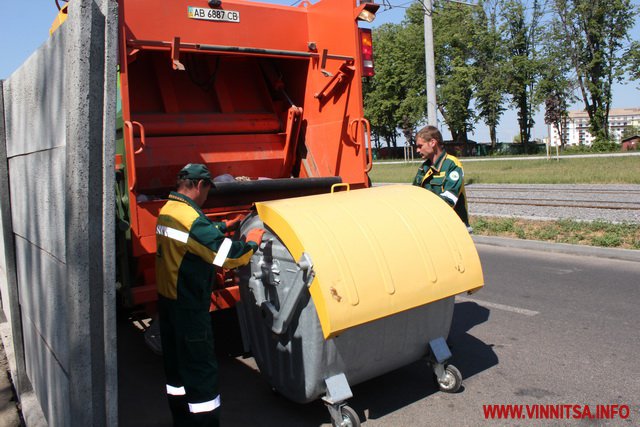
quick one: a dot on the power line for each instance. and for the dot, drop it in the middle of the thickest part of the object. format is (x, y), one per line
(386, 4)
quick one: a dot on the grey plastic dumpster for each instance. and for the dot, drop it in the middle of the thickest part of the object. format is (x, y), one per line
(279, 315)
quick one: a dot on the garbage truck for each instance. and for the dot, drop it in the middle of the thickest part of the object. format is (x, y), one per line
(351, 281)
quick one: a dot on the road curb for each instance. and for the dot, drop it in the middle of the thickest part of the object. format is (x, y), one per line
(563, 248)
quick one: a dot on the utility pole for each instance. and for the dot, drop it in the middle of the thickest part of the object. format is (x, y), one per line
(430, 63)
(429, 59)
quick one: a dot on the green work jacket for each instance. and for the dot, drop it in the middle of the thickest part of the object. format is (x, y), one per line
(188, 246)
(445, 178)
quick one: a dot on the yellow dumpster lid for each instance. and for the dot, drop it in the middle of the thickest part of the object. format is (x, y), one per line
(376, 251)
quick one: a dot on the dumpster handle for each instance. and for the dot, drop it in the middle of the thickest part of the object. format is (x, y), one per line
(340, 184)
(280, 319)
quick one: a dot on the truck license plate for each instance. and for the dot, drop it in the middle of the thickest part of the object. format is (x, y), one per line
(213, 14)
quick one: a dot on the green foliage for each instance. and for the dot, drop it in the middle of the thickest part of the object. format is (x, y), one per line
(502, 226)
(555, 88)
(576, 149)
(454, 27)
(607, 241)
(555, 113)
(490, 87)
(604, 146)
(630, 131)
(570, 225)
(494, 225)
(395, 97)
(503, 50)
(592, 35)
(596, 233)
(521, 36)
(546, 233)
(633, 58)
(381, 99)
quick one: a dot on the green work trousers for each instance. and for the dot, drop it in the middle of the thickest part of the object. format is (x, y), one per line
(190, 364)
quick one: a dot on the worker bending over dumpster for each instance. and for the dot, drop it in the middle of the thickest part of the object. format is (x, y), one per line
(441, 173)
(188, 247)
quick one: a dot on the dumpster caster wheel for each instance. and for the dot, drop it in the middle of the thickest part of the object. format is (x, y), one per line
(349, 418)
(451, 380)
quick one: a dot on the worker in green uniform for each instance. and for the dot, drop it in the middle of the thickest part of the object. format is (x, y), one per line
(189, 245)
(441, 173)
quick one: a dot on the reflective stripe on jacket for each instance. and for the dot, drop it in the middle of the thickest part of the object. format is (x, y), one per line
(188, 246)
(446, 179)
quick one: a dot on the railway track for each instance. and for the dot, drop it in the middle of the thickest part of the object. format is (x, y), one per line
(620, 203)
(556, 203)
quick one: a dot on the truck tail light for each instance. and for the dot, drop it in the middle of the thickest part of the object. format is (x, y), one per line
(366, 52)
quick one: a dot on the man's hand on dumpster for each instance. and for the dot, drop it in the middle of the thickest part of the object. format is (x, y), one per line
(255, 235)
(232, 223)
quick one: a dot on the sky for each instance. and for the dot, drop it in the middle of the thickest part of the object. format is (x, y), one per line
(23, 30)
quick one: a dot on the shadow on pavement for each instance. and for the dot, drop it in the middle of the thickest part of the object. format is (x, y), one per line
(395, 390)
(141, 384)
(247, 399)
(470, 355)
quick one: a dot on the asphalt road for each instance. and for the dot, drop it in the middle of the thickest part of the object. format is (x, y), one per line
(547, 329)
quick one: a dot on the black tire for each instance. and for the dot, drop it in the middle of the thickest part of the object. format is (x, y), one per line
(349, 418)
(452, 381)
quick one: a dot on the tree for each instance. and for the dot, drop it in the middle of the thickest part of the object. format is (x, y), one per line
(521, 34)
(592, 34)
(454, 34)
(633, 57)
(413, 105)
(556, 89)
(556, 114)
(630, 131)
(395, 97)
(490, 85)
(380, 93)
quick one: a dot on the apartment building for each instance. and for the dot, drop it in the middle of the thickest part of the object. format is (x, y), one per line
(577, 126)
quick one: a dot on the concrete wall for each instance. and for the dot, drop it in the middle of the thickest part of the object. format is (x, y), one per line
(58, 143)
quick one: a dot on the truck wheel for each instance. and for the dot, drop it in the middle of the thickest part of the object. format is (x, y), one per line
(452, 380)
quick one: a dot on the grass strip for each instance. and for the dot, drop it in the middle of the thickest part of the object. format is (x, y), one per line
(601, 170)
(595, 233)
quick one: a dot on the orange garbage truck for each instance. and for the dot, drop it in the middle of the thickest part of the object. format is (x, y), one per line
(351, 281)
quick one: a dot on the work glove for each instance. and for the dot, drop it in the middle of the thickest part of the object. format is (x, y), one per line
(255, 235)
(232, 223)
